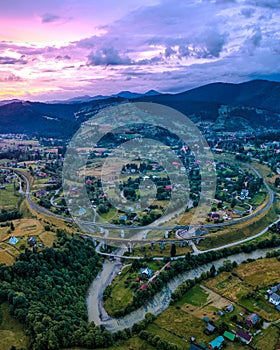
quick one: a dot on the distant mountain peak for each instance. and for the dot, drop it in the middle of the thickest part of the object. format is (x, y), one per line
(6, 102)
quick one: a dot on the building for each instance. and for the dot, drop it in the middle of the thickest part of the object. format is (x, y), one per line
(244, 194)
(228, 335)
(143, 287)
(31, 241)
(209, 328)
(13, 240)
(194, 347)
(274, 299)
(229, 308)
(252, 320)
(217, 343)
(146, 271)
(244, 337)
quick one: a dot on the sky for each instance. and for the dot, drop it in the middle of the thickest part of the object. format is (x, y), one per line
(59, 49)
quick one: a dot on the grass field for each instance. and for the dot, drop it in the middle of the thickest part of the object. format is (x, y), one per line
(177, 326)
(5, 257)
(9, 198)
(181, 324)
(195, 296)
(11, 331)
(258, 199)
(268, 340)
(247, 278)
(268, 269)
(238, 231)
(120, 296)
(134, 343)
(157, 251)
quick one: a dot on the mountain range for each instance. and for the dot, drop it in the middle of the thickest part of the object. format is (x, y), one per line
(231, 107)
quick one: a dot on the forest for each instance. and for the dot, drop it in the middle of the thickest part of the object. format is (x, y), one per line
(46, 291)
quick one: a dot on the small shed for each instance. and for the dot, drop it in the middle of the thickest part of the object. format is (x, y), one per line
(230, 336)
(13, 240)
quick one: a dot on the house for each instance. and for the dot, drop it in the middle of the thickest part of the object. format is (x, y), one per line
(146, 271)
(13, 240)
(217, 343)
(31, 241)
(274, 299)
(215, 216)
(277, 307)
(229, 308)
(123, 217)
(143, 287)
(209, 328)
(220, 313)
(230, 336)
(194, 347)
(206, 319)
(244, 194)
(244, 337)
(252, 320)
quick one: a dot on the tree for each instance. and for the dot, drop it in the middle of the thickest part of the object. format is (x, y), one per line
(173, 250)
(213, 270)
(233, 203)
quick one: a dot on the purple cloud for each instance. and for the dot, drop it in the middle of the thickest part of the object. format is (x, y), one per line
(10, 78)
(107, 56)
(11, 60)
(49, 18)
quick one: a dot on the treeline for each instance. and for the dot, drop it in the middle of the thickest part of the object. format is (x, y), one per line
(156, 341)
(46, 291)
(6, 215)
(190, 262)
(188, 284)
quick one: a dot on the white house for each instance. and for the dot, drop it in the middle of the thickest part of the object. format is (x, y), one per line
(274, 299)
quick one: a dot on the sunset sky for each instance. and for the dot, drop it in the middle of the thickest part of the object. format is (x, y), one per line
(58, 49)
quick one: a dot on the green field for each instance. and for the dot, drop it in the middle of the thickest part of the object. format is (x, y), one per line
(9, 197)
(269, 339)
(245, 287)
(120, 296)
(11, 331)
(238, 232)
(195, 296)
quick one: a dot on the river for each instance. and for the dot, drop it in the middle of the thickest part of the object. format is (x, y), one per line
(158, 303)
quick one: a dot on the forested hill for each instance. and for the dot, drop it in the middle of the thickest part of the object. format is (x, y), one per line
(46, 291)
(245, 106)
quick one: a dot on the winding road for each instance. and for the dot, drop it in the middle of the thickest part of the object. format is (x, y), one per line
(160, 301)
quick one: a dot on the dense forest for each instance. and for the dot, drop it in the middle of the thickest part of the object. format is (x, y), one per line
(46, 291)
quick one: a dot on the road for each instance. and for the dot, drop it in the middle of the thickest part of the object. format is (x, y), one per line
(138, 236)
(110, 269)
(36, 206)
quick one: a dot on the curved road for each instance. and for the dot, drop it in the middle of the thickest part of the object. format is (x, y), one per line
(110, 269)
(44, 211)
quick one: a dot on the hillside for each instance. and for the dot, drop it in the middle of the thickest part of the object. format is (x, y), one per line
(231, 107)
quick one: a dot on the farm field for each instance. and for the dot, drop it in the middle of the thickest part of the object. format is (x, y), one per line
(244, 286)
